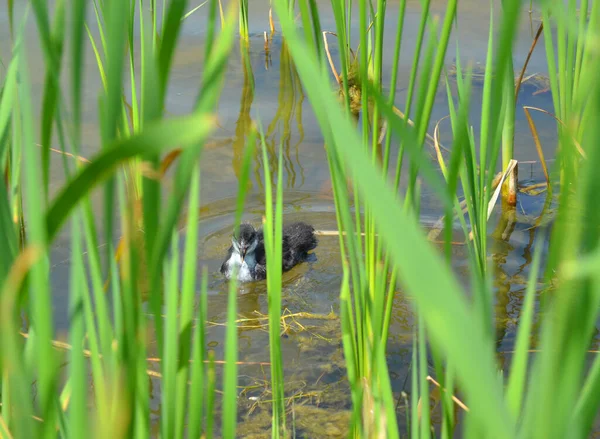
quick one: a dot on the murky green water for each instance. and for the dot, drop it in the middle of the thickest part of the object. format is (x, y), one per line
(312, 349)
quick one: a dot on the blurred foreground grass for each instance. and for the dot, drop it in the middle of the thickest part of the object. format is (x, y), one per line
(104, 389)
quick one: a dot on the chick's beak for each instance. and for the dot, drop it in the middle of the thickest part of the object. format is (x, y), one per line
(243, 254)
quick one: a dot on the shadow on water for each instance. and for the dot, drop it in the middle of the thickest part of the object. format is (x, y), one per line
(270, 92)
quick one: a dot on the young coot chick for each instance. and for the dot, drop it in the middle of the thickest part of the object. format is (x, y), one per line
(247, 251)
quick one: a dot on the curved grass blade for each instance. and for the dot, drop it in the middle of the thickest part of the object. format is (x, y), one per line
(157, 137)
(16, 376)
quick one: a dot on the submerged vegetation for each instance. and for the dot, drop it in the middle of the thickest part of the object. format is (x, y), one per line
(135, 311)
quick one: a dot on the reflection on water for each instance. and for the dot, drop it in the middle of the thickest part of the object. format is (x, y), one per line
(289, 108)
(244, 122)
(279, 130)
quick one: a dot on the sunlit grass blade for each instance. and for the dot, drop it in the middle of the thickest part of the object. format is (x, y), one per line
(243, 17)
(508, 129)
(195, 9)
(98, 57)
(229, 417)
(272, 226)
(200, 393)
(349, 341)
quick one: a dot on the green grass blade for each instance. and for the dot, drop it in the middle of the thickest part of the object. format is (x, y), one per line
(213, 76)
(171, 334)
(518, 374)
(586, 409)
(98, 57)
(157, 137)
(40, 301)
(116, 21)
(171, 28)
(52, 87)
(210, 396)
(7, 101)
(78, 373)
(414, 394)
(187, 306)
(272, 227)
(7, 233)
(425, 414)
(200, 389)
(229, 417)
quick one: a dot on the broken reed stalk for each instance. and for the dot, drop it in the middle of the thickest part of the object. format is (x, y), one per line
(533, 44)
(331, 64)
(458, 402)
(538, 145)
(575, 142)
(513, 176)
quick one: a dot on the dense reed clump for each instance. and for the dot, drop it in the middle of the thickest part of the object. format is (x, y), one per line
(138, 295)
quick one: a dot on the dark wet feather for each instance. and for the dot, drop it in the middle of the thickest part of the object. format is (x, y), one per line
(297, 240)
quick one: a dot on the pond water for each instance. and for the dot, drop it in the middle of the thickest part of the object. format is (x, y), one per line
(313, 356)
